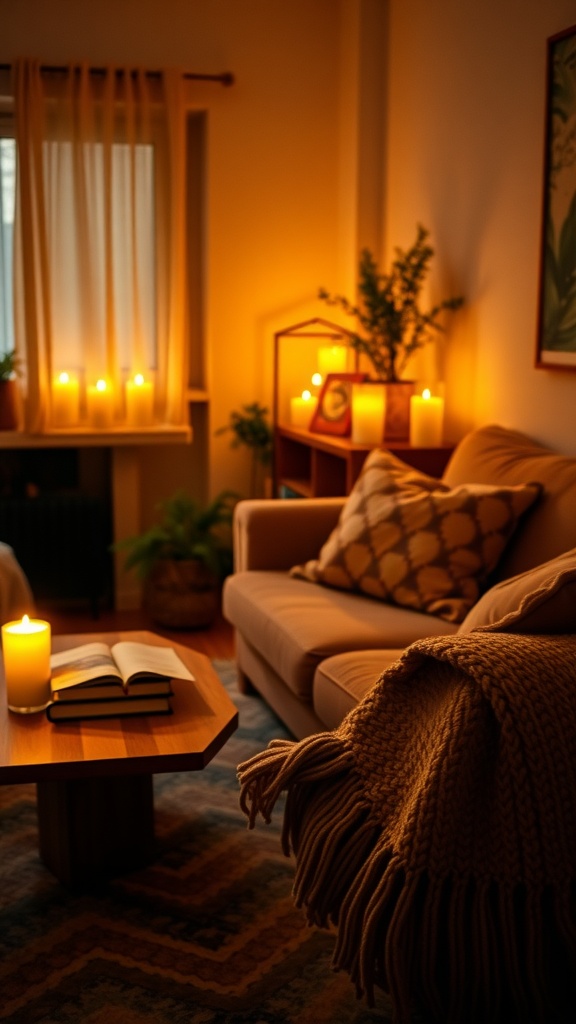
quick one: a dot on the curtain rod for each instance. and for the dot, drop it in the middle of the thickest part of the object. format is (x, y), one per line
(226, 78)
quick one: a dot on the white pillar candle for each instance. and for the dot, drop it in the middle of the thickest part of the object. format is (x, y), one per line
(139, 402)
(100, 400)
(426, 420)
(368, 407)
(301, 409)
(26, 653)
(65, 400)
(332, 359)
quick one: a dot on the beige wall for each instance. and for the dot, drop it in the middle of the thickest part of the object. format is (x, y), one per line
(465, 157)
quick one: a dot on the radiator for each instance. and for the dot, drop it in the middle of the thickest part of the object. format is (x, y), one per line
(62, 543)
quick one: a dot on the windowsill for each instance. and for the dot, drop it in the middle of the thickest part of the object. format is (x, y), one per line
(85, 437)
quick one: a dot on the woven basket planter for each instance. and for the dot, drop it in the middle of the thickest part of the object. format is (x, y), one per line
(182, 594)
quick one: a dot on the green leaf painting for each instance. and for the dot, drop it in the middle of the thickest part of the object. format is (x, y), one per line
(558, 286)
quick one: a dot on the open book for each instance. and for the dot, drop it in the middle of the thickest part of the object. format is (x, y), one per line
(123, 676)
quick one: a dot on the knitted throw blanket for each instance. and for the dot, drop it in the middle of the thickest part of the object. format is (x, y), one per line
(436, 829)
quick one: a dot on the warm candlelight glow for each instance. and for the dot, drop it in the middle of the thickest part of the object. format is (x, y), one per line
(100, 400)
(317, 379)
(426, 420)
(332, 359)
(301, 409)
(26, 655)
(139, 401)
(65, 400)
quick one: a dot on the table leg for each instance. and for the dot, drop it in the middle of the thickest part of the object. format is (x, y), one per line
(96, 827)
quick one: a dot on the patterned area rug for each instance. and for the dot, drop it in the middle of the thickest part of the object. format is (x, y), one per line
(207, 934)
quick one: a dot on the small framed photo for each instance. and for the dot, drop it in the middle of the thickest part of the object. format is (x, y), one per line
(333, 413)
(556, 341)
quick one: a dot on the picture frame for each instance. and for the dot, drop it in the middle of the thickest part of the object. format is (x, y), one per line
(333, 413)
(556, 332)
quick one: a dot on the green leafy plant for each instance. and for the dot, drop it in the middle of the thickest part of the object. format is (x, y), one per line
(9, 365)
(250, 428)
(393, 326)
(187, 531)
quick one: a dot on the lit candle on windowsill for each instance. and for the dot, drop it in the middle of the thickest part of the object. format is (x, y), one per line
(26, 654)
(426, 420)
(100, 400)
(139, 402)
(65, 400)
(301, 409)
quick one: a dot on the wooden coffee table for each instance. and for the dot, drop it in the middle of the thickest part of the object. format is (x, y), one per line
(94, 777)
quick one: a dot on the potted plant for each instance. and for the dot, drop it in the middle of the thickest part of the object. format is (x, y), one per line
(393, 326)
(250, 427)
(9, 404)
(183, 559)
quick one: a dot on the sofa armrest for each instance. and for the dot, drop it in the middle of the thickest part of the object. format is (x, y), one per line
(276, 533)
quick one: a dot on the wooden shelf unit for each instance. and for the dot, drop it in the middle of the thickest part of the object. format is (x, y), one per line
(318, 465)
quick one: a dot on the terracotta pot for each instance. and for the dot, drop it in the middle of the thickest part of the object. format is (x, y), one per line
(9, 404)
(397, 414)
(182, 595)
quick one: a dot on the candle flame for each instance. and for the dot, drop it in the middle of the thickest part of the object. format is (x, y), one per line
(426, 394)
(306, 395)
(317, 379)
(100, 385)
(139, 379)
(25, 620)
(64, 378)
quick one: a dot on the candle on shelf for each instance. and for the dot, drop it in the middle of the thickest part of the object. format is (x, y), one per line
(65, 400)
(100, 401)
(301, 409)
(426, 420)
(368, 407)
(332, 359)
(26, 653)
(139, 401)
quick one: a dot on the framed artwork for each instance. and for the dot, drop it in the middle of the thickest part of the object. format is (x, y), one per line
(556, 340)
(333, 413)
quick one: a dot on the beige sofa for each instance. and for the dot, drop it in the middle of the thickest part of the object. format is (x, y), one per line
(312, 651)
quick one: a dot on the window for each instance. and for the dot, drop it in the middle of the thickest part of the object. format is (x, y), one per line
(100, 238)
(7, 198)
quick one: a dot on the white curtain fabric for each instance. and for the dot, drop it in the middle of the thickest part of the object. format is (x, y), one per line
(100, 235)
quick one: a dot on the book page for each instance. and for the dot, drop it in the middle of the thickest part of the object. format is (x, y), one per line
(135, 658)
(82, 665)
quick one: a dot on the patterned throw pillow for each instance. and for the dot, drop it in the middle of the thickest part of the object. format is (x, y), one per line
(407, 538)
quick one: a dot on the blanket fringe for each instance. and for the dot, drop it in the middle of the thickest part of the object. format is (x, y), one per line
(465, 948)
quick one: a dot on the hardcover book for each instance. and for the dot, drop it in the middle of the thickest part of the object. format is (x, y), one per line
(95, 680)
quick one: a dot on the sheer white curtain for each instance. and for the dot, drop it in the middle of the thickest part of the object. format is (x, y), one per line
(100, 242)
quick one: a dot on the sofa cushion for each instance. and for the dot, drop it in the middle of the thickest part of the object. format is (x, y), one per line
(497, 455)
(542, 600)
(342, 681)
(295, 626)
(406, 538)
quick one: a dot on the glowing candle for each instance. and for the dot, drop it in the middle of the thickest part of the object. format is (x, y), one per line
(139, 401)
(332, 359)
(26, 653)
(426, 420)
(368, 406)
(100, 405)
(301, 409)
(65, 400)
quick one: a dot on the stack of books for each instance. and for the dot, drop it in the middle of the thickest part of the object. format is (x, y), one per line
(98, 681)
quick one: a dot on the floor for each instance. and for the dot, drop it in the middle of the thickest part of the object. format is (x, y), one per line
(215, 642)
